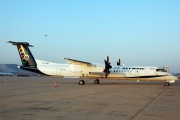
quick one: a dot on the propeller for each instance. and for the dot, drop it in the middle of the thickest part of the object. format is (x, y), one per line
(119, 62)
(107, 66)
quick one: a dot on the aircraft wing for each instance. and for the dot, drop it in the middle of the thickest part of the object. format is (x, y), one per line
(77, 62)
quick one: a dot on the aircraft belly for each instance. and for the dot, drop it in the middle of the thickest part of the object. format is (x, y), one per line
(71, 74)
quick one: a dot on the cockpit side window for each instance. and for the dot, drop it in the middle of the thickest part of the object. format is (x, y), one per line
(161, 70)
(164, 70)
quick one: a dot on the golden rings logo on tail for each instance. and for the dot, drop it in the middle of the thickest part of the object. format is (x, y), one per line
(23, 54)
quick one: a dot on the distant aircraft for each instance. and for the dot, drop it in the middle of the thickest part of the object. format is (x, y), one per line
(45, 35)
(83, 70)
(6, 74)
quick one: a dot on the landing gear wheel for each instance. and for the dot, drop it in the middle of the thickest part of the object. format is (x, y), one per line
(81, 82)
(166, 84)
(96, 81)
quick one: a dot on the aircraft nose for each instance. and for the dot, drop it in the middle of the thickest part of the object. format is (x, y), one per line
(176, 78)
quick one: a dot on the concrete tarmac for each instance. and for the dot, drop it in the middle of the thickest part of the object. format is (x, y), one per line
(35, 98)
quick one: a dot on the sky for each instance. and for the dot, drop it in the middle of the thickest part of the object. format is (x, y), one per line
(139, 32)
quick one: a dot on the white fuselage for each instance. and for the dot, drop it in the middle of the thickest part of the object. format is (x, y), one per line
(116, 72)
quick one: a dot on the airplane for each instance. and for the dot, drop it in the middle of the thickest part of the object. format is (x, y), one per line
(86, 70)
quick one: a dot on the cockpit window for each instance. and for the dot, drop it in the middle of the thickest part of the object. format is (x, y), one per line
(161, 70)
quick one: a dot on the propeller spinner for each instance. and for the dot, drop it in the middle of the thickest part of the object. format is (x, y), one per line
(107, 66)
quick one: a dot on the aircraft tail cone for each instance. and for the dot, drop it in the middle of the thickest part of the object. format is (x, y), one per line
(55, 84)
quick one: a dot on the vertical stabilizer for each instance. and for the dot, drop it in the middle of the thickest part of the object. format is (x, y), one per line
(25, 54)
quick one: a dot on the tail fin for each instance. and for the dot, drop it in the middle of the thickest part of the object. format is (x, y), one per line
(25, 54)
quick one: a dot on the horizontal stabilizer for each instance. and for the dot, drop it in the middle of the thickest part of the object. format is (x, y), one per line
(22, 43)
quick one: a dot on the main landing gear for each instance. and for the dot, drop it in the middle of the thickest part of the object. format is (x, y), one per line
(82, 82)
(96, 81)
(166, 84)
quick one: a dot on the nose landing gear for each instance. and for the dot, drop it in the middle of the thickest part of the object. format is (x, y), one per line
(166, 84)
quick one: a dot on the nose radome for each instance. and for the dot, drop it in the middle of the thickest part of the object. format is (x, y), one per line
(176, 78)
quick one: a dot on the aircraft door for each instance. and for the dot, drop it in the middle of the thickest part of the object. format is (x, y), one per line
(136, 73)
(58, 71)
